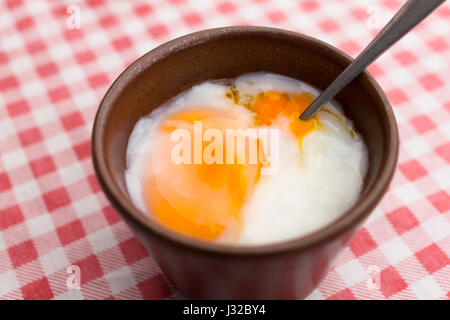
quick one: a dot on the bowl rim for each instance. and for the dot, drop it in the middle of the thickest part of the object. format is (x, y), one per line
(337, 227)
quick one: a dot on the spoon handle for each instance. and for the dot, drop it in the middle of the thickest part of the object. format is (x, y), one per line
(412, 12)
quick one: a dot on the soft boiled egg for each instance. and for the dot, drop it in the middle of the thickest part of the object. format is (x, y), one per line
(180, 172)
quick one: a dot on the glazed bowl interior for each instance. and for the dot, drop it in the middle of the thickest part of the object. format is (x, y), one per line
(227, 53)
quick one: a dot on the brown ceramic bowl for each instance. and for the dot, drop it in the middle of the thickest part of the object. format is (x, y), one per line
(286, 270)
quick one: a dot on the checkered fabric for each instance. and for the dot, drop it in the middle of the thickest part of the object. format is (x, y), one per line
(56, 226)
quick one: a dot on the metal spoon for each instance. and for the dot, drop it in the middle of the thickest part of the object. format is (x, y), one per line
(412, 12)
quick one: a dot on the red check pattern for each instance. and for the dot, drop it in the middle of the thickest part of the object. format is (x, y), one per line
(53, 214)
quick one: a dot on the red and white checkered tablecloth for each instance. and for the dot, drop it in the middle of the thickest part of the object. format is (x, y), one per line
(55, 220)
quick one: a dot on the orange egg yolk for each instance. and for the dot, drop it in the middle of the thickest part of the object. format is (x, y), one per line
(270, 104)
(199, 200)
